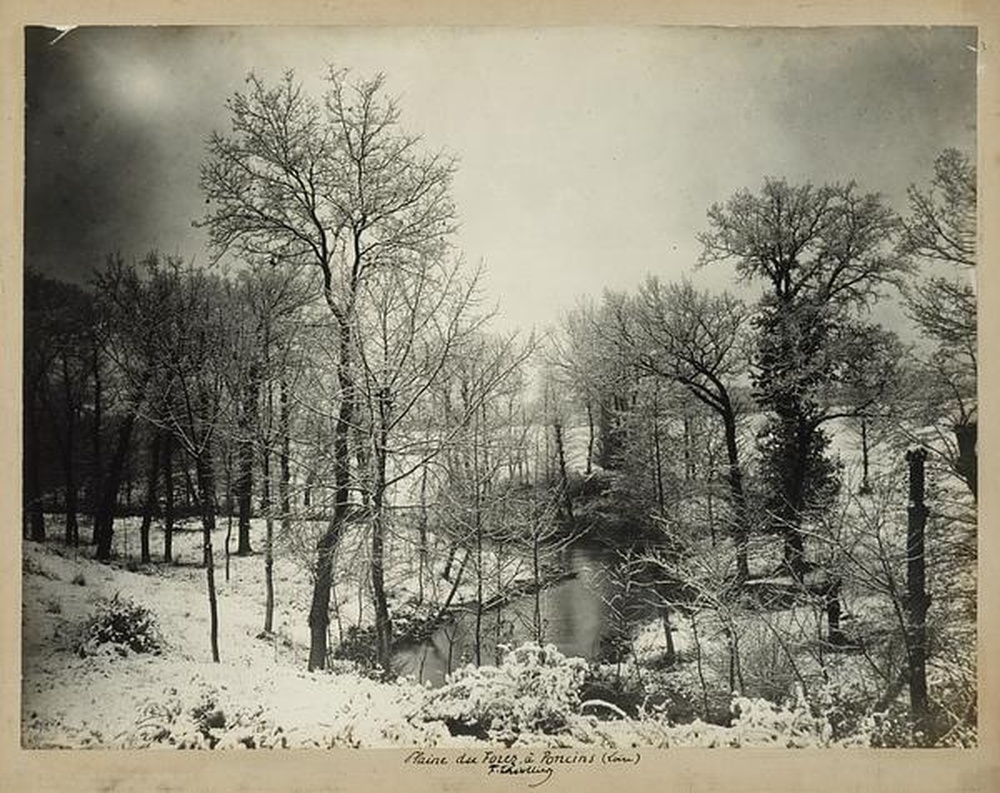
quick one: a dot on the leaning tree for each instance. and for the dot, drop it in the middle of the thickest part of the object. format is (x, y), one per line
(334, 184)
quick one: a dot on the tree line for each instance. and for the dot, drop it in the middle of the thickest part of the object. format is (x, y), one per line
(335, 364)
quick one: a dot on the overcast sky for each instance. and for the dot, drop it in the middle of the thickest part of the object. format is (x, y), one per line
(588, 156)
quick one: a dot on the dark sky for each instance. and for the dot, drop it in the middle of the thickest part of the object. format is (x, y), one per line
(588, 156)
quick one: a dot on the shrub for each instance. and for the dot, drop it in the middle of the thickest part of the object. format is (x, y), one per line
(80, 580)
(358, 646)
(122, 626)
(535, 689)
(761, 723)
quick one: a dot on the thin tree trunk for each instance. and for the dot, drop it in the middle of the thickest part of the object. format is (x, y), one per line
(740, 530)
(698, 665)
(206, 482)
(536, 570)
(834, 634)
(268, 547)
(284, 483)
(69, 453)
(244, 495)
(104, 528)
(229, 509)
(268, 517)
(590, 438)
(688, 463)
(190, 497)
(127, 479)
(244, 477)
(668, 636)
(658, 464)
(422, 537)
(563, 476)
(383, 623)
(168, 498)
(865, 484)
(709, 497)
(479, 548)
(97, 465)
(151, 499)
(454, 588)
(33, 487)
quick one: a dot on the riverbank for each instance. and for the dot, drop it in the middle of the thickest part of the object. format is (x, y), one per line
(260, 695)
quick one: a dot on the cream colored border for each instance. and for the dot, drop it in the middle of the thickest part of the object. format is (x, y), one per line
(668, 771)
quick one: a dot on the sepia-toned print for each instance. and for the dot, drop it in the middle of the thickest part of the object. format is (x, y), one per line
(587, 390)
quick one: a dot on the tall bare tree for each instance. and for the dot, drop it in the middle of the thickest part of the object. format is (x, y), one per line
(338, 186)
(695, 340)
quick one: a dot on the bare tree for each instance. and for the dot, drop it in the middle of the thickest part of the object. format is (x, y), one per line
(336, 186)
(695, 340)
(941, 231)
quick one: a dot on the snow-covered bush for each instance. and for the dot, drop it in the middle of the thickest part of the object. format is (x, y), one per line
(168, 723)
(122, 626)
(761, 723)
(535, 690)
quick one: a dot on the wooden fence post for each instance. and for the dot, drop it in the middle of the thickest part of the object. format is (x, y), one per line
(917, 600)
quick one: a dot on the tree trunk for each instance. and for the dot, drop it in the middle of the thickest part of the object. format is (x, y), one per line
(454, 588)
(319, 612)
(866, 487)
(244, 477)
(422, 537)
(151, 499)
(69, 453)
(834, 634)
(793, 544)
(268, 517)
(268, 546)
(536, 570)
(916, 597)
(668, 633)
(590, 438)
(478, 524)
(97, 464)
(450, 560)
(741, 529)
(284, 483)
(168, 498)
(383, 623)
(244, 494)
(190, 497)
(563, 476)
(104, 528)
(206, 487)
(967, 464)
(32, 479)
(127, 479)
(688, 462)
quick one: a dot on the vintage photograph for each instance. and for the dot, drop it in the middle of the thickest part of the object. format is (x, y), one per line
(581, 388)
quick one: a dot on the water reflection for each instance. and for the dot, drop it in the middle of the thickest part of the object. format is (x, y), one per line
(574, 618)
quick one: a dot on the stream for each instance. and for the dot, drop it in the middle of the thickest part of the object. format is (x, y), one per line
(574, 619)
